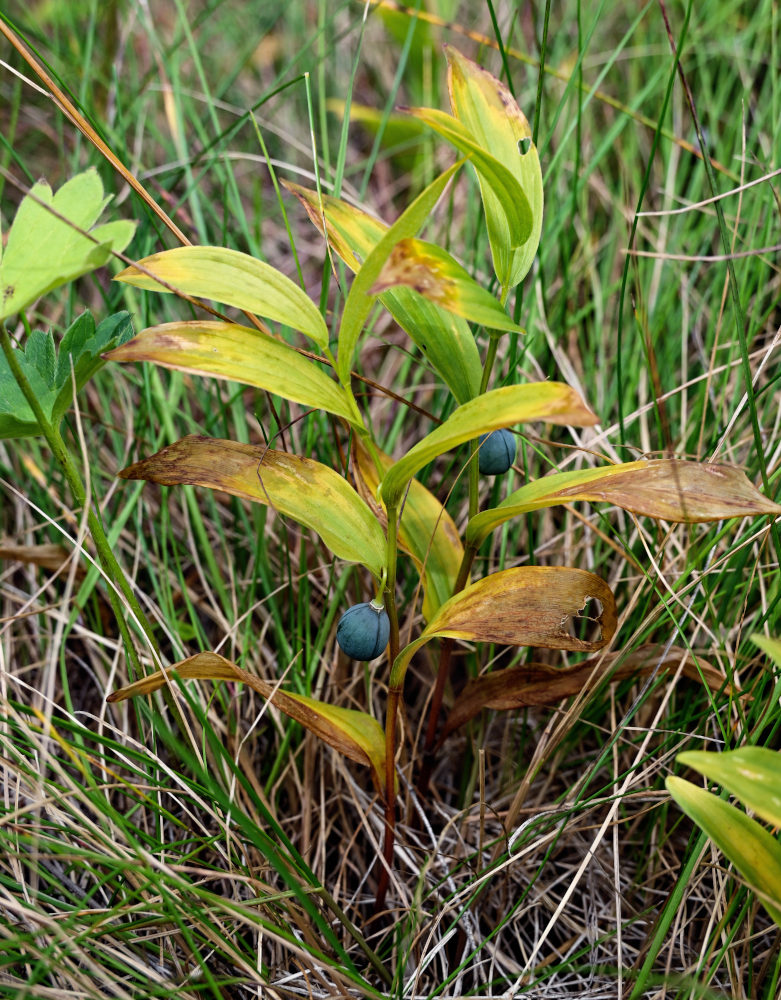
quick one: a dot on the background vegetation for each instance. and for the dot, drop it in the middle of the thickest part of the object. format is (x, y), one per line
(232, 858)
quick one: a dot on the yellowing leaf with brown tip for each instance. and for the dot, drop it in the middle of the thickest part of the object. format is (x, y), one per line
(240, 354)
(666, 489)
(443, 338)
(436, 275)
(309, 492)
(355, 734)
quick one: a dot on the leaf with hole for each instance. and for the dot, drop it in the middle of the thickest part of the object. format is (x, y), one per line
(309, 492)
(356, 735)
(234, 279)
(508, 213)
(51, 240)
(241, 354)
(526, 606)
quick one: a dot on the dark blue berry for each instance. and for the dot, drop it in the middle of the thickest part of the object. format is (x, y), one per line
(497, 452)
(363, 631)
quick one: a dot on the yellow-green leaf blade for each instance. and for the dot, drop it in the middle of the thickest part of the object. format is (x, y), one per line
(355, 734)
(751, 774)
(309, 492)
(426, 531)
(553, 402)
(444, 339)
(489, 111)
(240, 354)
(508, 212)
(768, 645)
(753, 851)
(433, 273)
(359, 301)
(234, 279)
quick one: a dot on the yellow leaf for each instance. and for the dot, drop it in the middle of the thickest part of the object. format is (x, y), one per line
(238, 353)
(553, 402)
(356, 735)
(233, 278)
(526, 606)
(664, 488)
(489, 111)
(307, 491)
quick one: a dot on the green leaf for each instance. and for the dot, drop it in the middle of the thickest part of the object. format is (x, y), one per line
(490, 113)
(310, 493)
(233, 278)
(553, 402)
(45, 250)
(357, 735)
(241, 354)
(664, 488)
(507, 210)
(751, 774)
(770, 646)
(433, 273)
(49, 371)
(359, 301)
(444, 338)
(753, 851)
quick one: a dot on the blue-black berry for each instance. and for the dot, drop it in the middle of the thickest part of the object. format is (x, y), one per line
(497, 452)
(363, 631)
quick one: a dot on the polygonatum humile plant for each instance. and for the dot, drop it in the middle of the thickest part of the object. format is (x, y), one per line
(388, 511)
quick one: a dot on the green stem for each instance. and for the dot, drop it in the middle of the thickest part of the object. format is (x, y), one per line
(105, 554)
(391, 714)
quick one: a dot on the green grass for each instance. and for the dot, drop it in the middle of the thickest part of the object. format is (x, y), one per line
(233, 857)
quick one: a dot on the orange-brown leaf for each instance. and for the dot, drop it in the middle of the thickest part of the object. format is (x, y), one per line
(537, 684)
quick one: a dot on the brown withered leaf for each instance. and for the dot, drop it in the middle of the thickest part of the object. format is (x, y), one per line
(538, 684)
(48, 556)
(355, 734)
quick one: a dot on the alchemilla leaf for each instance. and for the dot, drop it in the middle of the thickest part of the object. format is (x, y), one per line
(49, 241)
(49, 371)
